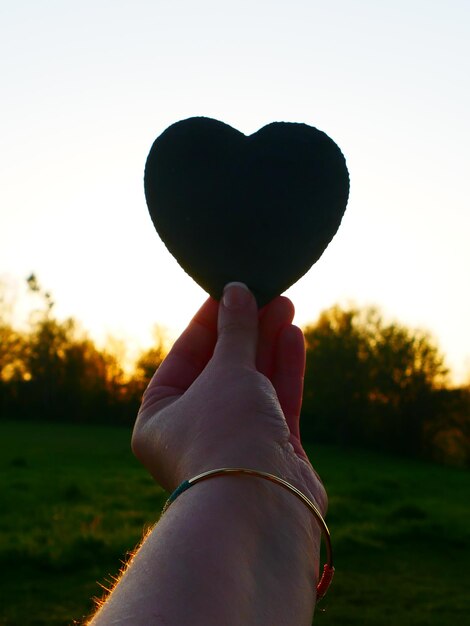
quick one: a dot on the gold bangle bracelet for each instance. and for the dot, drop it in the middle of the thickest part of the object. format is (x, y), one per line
(328, 569)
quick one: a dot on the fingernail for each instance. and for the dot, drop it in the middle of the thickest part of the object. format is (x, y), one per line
(236, 296)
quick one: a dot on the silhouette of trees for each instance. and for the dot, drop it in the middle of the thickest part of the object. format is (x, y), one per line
(54, 371)
(368, 382)
(372, 383)
(447, 437)
(12, 352)
(11, 357)
(148, 361)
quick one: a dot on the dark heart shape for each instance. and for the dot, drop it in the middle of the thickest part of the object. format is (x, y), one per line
(259, 209)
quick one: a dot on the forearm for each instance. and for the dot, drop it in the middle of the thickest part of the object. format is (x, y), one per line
(233, 551)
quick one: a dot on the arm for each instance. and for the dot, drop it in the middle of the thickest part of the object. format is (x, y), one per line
(218, 556)
(235, 549)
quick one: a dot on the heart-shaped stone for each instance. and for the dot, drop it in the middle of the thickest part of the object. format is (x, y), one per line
(259, 209)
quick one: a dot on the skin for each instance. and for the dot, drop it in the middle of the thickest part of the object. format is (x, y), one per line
(232, 550)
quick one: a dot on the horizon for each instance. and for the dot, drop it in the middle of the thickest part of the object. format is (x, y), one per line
(127, 350)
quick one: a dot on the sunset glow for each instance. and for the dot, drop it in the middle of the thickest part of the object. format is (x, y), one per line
(87, 87)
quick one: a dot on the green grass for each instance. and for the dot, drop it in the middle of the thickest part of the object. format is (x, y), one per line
(73, 501)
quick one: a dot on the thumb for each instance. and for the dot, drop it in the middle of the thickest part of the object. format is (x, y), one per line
(237, 325)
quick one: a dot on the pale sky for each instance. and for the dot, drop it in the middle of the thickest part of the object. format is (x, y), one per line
(86, 87)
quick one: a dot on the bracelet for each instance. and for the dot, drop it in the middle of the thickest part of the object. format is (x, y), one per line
(328, 569)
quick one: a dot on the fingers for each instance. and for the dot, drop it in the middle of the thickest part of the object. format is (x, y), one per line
(275, 316)
(288, 375)
(237, 326)
(187, 358)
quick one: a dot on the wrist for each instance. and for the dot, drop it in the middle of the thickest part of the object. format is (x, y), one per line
(260, 506)
(280, 461)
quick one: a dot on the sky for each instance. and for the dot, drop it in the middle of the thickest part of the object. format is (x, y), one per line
(85, 88)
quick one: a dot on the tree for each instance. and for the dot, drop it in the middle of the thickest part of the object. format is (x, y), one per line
(369, 382)
(12, 351)
(335, 377)
(64, 376)
(148, 362)
(447, 437)
(53, 370)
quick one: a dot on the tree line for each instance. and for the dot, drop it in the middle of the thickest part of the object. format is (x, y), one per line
(382, 385)
(368, 383)
(53, 370)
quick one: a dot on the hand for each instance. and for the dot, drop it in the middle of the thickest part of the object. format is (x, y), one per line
(229, 394)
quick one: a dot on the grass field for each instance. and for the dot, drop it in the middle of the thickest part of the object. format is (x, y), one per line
(73, 501)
